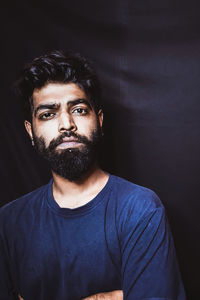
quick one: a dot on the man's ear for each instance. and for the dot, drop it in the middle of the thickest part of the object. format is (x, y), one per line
(28, 127)
(100, 117)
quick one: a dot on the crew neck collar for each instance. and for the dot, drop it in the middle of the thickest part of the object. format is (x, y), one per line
(81, 210)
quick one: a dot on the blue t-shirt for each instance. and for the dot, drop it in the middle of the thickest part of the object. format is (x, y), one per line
(119, 240)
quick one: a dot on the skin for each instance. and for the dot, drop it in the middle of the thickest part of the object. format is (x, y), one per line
(115, 295)
(59, 107)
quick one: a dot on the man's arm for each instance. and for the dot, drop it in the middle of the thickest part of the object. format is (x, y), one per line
(149, 265)
(7, 291)
(115, 295)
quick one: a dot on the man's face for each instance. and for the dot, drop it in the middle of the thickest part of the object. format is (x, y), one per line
(65, 128)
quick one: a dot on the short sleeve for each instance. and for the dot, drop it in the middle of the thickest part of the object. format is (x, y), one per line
(6, 289)
(149, 265)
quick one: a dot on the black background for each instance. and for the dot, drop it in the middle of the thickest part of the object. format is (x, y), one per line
(147, 55)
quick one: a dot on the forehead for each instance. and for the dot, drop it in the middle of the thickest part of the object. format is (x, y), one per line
(57, 93)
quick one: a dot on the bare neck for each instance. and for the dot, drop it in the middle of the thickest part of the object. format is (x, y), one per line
(73, 194)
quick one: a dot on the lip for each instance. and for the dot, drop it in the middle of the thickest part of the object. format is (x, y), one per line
(69, 139)
(68, 143)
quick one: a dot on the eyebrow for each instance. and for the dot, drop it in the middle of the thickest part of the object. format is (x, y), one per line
(78, 101)
(57, 105)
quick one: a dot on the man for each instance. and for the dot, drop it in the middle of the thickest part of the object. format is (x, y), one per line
(86, 234)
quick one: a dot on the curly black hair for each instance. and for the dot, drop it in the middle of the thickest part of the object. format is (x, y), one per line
(60, 67)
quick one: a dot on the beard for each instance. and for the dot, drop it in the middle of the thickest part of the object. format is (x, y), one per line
(70, 163)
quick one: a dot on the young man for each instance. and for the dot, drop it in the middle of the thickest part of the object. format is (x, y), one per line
(86, 234)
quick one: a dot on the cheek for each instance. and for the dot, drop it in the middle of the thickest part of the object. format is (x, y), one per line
(85, 127)
(46, 131)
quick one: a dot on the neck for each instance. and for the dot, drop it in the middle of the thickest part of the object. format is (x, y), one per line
(72, 194)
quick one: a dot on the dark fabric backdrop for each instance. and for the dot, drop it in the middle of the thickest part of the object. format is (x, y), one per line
(147, 54)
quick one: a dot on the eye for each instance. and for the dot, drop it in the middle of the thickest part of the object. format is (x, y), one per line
(46, 116)
(80, 111)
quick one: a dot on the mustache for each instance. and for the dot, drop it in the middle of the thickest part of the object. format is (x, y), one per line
(79, 138)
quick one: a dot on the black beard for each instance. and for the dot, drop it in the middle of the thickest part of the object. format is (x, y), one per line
(70, 163)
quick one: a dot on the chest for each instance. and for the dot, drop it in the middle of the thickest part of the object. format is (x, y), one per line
(61, 254)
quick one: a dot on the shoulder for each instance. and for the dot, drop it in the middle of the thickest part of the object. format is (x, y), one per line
(129, 193)
(134, 203)
(138, 212)
(22, 204)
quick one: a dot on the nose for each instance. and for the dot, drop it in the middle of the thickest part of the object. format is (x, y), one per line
(66, 122)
